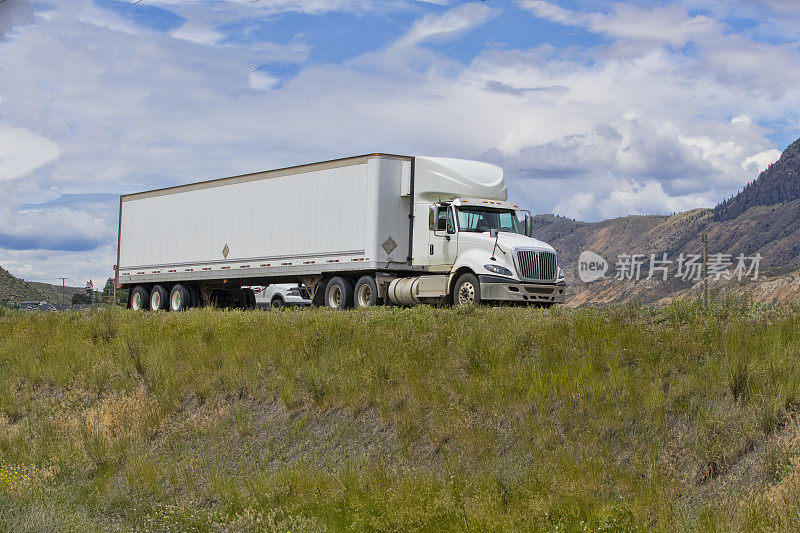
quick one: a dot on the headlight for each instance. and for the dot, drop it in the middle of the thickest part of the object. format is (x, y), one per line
(497, 269)
(560, 276)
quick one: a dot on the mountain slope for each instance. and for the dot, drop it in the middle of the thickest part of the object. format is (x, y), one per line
(779, 183)
(773, 231)
(13, 289)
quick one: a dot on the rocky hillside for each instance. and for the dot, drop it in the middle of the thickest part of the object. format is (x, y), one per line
(778, 184)
(766, 222)
(13, 289)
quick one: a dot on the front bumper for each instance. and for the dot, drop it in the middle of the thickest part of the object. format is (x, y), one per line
(500, 289)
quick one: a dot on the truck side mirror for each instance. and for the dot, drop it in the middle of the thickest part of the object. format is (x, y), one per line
(433, 217)
(493, 233)
(528, 225)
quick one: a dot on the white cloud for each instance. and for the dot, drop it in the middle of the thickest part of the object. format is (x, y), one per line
(14, 13)
(198, 33)
(601, 132)
(22, 151)
(47, 265)
(105, 18)
(759, 162)
(262, 81)
(52, 229)
(621, 197)
(668, 23)
(447, 26)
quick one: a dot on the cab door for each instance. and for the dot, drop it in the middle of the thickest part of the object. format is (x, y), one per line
(442, 238)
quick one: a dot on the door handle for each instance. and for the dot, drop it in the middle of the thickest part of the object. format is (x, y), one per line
(431, 249)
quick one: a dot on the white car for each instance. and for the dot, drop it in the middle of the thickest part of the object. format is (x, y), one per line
(282, 295)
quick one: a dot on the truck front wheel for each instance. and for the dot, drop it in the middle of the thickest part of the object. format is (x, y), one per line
(339, 293)
(467, 290)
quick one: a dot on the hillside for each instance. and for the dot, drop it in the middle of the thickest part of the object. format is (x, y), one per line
(617, 419)
(773, 231)
(777, 184)
(13, 289)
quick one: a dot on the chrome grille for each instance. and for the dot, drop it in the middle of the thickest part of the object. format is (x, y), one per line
(536, 265)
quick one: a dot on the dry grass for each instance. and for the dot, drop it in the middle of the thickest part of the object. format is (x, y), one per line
(389, 419)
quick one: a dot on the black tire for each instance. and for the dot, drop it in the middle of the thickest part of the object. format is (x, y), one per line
(339, 293)
(247, 298)
(195, 294)
(159, 298)
(139, 299)
(365, 293)
(219, 298)
(319, 293)
(467, 290)
(180, 298)
(277, 302)
(251, 298)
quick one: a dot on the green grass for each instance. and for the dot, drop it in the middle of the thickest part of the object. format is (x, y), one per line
(616, 419)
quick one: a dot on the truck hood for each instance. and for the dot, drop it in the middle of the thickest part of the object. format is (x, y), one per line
(507, 241)
(475, 249)
(515, 240)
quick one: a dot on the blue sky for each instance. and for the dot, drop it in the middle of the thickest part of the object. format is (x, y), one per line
(594, 109)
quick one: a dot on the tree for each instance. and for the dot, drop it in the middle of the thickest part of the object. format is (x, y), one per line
(108, 293)
(89, 290)
(81, 298)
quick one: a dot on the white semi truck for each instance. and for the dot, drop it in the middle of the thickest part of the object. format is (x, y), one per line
(358, 231)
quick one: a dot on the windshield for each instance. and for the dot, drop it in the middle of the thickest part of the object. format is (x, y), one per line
(479, 219)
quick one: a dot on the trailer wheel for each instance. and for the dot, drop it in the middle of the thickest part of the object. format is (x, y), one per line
(366, 292)
(195, 295)
(140, 299)
(467, 290)
(179, 298)
(219, 298)
(158, 298)
(251, 298)
(339, 293)
(247, 298)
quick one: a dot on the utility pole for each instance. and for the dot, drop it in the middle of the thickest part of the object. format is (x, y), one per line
(704, 240)
(63, 284)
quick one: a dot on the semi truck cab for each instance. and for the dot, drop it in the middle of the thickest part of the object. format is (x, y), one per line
(480, 244)
(490, 239)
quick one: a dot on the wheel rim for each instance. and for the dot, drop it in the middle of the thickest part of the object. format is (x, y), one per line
(136, 301)
(335, 297)
(466, 293)
(176, 301)
(155, 301)
(364, 295)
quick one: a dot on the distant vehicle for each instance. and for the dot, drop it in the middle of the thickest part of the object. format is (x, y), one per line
(282, 295)
(359, 231)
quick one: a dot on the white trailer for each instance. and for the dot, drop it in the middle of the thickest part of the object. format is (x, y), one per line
(355, 231)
